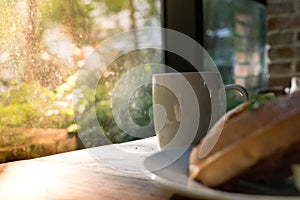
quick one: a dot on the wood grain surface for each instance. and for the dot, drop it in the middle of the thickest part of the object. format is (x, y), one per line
(78, 175)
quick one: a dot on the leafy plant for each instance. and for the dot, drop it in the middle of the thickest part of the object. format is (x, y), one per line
(34, 106)
(259, 100)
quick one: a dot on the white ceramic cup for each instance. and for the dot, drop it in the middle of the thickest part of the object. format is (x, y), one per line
(186, 105)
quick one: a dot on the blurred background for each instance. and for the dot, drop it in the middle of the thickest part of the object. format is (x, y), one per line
(43, 44)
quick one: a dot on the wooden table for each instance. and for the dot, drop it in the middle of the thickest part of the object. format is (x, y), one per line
(78, 175)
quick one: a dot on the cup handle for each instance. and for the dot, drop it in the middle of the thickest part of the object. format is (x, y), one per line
(240, 89)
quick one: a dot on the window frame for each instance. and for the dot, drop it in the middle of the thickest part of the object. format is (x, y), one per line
(185, 16)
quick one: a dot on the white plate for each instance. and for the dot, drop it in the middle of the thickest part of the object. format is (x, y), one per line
(175, 177)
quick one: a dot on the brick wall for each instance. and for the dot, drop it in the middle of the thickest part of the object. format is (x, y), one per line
(283, 24)
(249, 42)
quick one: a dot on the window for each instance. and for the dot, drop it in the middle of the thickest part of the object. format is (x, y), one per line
(233, 32)
(235, 37)
(43, 45)
(45, 42)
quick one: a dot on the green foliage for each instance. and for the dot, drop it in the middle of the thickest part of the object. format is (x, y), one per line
(33, 106)
(139, 105)
(10, 19)
(72, 13)
(48, 102)
(116, 6)
(259, 100)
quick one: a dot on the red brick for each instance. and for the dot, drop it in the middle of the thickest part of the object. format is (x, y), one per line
(282, 81)
(283, 52)
(241, 57)
(283, 22)
(241, 70)
(281, 38)
(280, 68)
(244, 18)
(247, 31)
(280, 7)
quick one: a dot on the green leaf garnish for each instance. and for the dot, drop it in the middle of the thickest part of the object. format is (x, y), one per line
(259, 100)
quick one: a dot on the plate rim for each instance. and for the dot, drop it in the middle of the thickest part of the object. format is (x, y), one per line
(208, 193)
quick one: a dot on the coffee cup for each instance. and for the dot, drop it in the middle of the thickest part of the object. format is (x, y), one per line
(186, 106)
